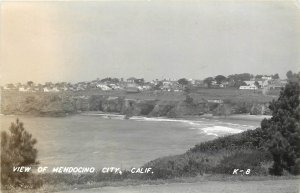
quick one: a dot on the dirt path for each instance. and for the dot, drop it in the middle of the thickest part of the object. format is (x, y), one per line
(269, 186)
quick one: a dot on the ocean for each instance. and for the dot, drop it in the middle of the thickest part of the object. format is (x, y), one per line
(107, 140)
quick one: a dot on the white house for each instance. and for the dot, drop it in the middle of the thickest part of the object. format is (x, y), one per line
(251, 87)
(146, 87)
(23, 89)
(55, 89)
(103, 87)
(266, 77)
(252, 84)
(47, 89)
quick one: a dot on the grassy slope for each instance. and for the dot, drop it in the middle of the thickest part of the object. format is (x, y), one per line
(219, 156)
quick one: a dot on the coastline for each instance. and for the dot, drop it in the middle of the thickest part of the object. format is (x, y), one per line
(245, 117)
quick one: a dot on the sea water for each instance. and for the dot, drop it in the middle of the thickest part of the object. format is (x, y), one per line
(103, 140)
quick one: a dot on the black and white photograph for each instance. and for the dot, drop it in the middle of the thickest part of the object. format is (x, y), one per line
(150, 96)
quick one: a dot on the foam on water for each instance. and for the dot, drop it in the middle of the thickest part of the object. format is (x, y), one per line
(205, 126)
(220, 130)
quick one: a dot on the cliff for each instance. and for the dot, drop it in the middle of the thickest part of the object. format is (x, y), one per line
(61, 104)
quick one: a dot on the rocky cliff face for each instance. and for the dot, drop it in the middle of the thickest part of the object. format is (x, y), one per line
(43, 104)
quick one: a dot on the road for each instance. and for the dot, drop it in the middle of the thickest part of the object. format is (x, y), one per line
(268, 186)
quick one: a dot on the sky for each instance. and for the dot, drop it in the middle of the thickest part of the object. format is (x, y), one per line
(81, 41)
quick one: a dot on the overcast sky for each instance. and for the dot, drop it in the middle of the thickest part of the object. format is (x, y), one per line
(78, 41)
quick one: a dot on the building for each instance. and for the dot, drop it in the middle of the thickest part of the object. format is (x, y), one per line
(277, 84)
(131, 80)
(250, 87)
(218, 101)
(266, 77)
(103, 87)
(23, 89)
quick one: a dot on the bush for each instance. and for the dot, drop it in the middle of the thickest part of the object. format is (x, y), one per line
(30, 99)
(244, 160)
(95, 103)
(247, 140)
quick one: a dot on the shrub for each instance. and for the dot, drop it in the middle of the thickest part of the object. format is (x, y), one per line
(247, 140)
(95, 103)
(244, 160)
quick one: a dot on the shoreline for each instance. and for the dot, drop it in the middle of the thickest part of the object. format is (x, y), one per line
(245, 117)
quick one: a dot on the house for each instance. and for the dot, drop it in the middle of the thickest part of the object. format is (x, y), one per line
(218, 101)
(10, 87)
(277, 84)
(46, 89)
(23, 89)
(192, 81)
(266, 77)
(146, 87)
(103, 87)
(214, 83)
(129, 84)
(49, 89)
(131, 80)
(38, 89)
(114, 86)
(199, 83)
(166, 85)
(55, 89)
(251, 87)
(224, 84)
(265, 83)
(252, 83)
(139, 81)
(64, 88)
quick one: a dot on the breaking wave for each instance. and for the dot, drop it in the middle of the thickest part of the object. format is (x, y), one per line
(203, 125)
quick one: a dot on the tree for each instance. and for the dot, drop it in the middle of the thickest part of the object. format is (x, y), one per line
(187, 89)
(275, 76)
(189, 99)
(158, 85)
(220, 79)
(240, 77)
(281, 133)
(183, 81)
(289, 74)
(293, 77)
(30, 83)
(10, 86)
(17, 149)
(139, 81)
(208, 81)
(108, 79)
(256, 83)
(259, 76)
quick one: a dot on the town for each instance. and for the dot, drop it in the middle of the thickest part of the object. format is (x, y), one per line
(244, 81)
